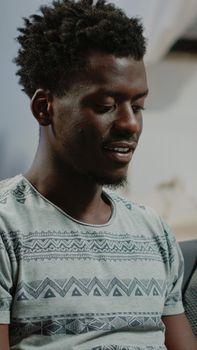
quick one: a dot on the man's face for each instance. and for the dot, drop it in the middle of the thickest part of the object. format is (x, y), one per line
(97, 124)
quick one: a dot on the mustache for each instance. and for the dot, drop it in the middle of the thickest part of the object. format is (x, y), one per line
(120, 138)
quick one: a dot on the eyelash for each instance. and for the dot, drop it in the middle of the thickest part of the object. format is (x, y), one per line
(102, 109)
(137, 109)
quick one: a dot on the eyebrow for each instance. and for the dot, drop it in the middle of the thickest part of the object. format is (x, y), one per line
(115, 94)
(140, 95)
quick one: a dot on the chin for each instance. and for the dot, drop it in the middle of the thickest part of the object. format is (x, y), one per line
(107, 180)
(112, 183)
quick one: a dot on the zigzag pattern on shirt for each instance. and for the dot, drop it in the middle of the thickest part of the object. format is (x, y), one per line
(12, 243)
(94, 287)
(84, 323)
(5, 304)
(120, 347)
(84, 245)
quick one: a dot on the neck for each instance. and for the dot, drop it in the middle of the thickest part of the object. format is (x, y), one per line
(77, 195)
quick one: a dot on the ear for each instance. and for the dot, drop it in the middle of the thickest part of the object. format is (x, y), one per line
(42, 107)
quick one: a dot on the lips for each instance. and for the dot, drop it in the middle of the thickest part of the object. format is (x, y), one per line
(117, 149)
(120, 152)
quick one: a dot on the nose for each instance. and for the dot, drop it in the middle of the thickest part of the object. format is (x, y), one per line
(127, 121)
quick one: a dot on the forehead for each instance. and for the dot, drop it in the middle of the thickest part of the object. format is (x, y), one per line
(106, 70)
(105, 74)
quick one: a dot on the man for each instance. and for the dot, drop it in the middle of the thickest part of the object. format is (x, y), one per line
(83, 268)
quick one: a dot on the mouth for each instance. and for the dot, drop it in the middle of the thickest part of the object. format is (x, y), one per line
(120, 152)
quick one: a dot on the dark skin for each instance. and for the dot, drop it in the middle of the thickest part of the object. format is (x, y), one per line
(88, 138)
(99, 109)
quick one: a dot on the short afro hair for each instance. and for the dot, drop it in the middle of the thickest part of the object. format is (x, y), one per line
(54, 43)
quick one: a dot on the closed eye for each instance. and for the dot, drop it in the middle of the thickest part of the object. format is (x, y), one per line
(102, 109)
(136, 109)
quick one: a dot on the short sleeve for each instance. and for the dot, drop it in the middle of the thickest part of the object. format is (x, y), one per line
(175, 270)
(5, 283)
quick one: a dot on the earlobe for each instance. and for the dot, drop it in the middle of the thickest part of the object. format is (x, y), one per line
(41, 106)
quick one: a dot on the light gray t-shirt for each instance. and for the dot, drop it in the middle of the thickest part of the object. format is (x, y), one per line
(67, 285)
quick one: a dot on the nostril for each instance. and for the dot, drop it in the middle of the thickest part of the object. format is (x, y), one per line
(130, 123)
(126, 120)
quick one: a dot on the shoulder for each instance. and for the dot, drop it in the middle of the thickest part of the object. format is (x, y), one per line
(13, 194)
(7, 186)
(135, 210)
(143, 218)
(13, 189)
(13, 212)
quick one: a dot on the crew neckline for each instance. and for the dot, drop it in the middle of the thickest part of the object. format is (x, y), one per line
(106, 194)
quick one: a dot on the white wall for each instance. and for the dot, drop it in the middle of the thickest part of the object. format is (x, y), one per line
(169, 142)
(166, 155)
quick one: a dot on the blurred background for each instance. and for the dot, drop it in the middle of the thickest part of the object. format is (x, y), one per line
(163, 173)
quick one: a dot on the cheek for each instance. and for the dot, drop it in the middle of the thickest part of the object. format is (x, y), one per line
(68, 125)
(95, 133)
(96, 124)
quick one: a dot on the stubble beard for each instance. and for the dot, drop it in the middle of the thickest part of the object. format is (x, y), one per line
(111, 183)
(106, 181)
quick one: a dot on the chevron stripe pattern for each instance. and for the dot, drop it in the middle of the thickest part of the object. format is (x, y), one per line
(53, 245)
(94, 287)
(84, 323)
(119, 347)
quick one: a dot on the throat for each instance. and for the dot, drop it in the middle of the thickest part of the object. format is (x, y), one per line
(91, 214)
(80, 197)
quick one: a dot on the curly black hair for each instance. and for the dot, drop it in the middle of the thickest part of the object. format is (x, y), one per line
(54, 43)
